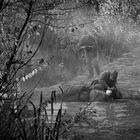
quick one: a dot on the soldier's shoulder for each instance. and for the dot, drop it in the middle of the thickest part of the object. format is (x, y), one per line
(105, 73)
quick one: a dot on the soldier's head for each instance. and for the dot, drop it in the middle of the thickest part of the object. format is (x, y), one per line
(114, 75)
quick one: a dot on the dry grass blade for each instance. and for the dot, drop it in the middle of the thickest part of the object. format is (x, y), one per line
(54, 95)
(35, 120)
(62, 92)
(57, 123)
(40, 106)
(22, 128)
(46, 114)
(53, 98)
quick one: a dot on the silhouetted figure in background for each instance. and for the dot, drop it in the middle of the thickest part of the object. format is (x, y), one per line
(89, 49)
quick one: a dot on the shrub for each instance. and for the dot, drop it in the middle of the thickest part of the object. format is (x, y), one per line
(18, 122)
(114, 36)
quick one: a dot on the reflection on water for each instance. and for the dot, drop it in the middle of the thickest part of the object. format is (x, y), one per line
(118, 113)
(56, 107)
(116, 120)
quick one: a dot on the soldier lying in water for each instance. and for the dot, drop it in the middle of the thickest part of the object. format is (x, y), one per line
(107, 83)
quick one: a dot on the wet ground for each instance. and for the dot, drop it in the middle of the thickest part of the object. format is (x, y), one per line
(115, 120)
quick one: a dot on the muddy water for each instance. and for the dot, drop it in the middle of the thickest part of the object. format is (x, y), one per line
(115, 120)
(118, 119)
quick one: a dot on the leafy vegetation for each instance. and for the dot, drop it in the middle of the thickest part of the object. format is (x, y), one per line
(43, 37)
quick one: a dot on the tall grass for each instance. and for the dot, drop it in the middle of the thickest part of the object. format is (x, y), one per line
(114, 36)
(38, 124)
